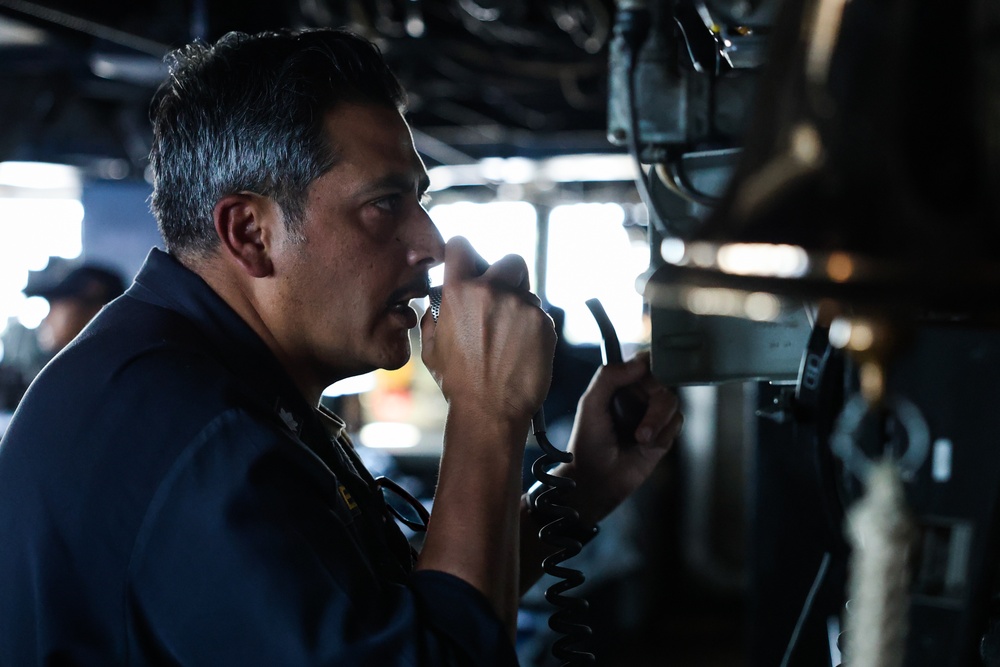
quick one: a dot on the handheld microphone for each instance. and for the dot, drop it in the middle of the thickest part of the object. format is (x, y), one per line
(435, 293)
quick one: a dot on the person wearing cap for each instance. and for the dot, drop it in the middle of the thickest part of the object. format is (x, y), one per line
(73, 302)
(172, 492)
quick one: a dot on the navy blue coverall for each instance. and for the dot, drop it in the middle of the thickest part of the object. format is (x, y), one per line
(168, 497)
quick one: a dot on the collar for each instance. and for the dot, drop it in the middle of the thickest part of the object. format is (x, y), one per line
(165, 282)
(336, 428)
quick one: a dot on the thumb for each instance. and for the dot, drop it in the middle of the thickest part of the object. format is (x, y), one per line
(427, 328)
(611, 378)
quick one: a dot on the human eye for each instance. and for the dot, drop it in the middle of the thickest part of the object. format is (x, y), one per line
(388, 203)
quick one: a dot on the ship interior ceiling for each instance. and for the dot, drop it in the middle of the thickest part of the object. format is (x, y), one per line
(483, 79)
(805, 204)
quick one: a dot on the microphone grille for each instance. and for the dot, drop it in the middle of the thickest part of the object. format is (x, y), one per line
(435, 298)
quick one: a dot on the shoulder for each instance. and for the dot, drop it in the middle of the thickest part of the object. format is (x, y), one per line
(141, 381)
(138, 374)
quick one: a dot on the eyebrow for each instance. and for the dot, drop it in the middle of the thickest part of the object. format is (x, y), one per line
(396, 181)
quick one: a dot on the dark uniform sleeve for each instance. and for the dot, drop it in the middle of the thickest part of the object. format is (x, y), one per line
(245, 558)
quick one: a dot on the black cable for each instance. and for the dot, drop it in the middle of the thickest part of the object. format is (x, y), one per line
(560, 521)
(611, 348)
(562, 527)
(627, 405)
(793, 642)
(678, 181)
(627, 26)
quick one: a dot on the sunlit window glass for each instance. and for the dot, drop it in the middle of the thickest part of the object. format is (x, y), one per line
(495, 229)
(33, 229)
(591, 254)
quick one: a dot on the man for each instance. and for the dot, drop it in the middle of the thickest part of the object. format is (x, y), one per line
(73, 302)
(169, 492)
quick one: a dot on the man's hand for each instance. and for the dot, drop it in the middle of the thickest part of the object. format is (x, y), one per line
(607, 471)
(491, 352)
(492, 344)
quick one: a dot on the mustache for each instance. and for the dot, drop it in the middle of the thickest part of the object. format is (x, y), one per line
(415, 289)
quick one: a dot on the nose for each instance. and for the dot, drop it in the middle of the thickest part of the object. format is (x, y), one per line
(426, 246)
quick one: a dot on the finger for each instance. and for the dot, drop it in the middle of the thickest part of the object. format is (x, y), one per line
(666, 438)
(461, 261)
(427, 324)
(427, 329)
(662, 443)
(643, 358)
(610, 379)
(661, 409)
(510, 271)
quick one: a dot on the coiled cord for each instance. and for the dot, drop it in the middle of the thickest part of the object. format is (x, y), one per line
(560, 524)
(562, 528)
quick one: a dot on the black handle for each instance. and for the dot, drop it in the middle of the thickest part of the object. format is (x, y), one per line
(627, 406)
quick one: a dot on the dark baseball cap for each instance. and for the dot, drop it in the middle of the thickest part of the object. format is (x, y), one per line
(92, 284)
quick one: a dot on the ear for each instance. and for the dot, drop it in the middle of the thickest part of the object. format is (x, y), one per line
(244, 222)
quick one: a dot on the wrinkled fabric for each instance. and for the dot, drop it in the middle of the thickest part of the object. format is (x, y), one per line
(168, 498)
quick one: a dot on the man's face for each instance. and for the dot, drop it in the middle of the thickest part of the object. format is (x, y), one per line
(343, 292)
(67, 317)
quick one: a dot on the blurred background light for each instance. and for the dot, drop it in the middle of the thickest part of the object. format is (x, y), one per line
(494, 229)
(592, 255)
(41, 217)
(522, 171)
(39, 176)
(353, 385)
(389, 435)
